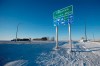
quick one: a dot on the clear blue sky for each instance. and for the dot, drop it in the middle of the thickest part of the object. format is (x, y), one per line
(36, 18)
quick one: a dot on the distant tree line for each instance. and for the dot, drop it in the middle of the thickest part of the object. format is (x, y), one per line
(24, 39)
(45, 39)
(36, 39)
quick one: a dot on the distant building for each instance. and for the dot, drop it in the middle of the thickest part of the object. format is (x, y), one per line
(83, 39)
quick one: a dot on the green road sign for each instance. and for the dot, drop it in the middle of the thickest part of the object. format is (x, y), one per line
(64, 12)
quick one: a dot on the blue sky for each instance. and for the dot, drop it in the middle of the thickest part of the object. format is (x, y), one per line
(36, 18)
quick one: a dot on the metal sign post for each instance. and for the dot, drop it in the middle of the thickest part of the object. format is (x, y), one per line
(70, 40)
(70, 20)
(56, 37)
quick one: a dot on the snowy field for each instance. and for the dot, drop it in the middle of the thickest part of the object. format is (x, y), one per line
(23, 54)
(83, 54)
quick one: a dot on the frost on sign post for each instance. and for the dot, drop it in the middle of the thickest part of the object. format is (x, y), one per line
(63, 16)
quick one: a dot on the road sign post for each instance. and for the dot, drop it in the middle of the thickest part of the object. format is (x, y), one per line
(70, 40)
(56, 37)
(70, 20)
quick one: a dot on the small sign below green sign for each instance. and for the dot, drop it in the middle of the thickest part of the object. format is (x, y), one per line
(64, 12)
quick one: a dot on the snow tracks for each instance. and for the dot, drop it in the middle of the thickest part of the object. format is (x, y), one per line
(80, 56)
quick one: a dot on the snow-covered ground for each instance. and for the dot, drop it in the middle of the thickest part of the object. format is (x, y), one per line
(17, 63)
(93, 46)
(83, 54)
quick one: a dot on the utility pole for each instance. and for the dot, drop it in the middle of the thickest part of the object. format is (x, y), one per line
(93, 37)
(85, 32)
(17, 32)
